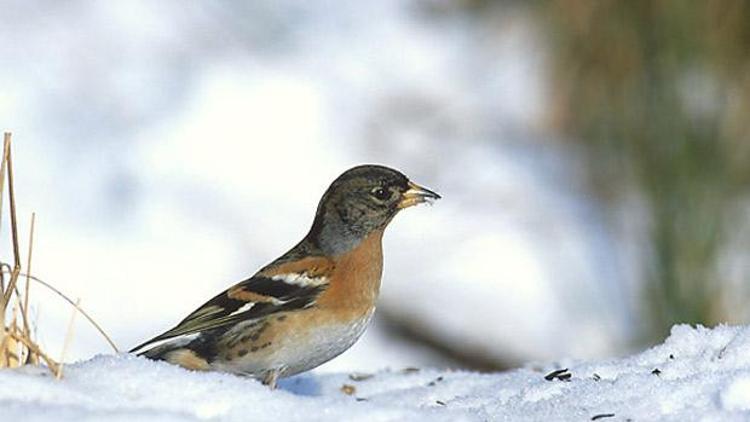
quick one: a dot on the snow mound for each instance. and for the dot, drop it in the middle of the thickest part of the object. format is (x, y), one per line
(698, 373)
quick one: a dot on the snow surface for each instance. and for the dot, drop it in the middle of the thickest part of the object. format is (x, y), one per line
(697, 374)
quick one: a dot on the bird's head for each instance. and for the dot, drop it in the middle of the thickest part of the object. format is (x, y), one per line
(360, 201)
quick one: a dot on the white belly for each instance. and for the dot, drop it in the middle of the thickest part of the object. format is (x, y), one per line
(319, 346)
(300, 351)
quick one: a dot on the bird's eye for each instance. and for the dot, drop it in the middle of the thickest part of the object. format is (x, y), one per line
(380, 193)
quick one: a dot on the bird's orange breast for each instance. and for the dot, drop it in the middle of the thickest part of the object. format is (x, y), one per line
(355, 279)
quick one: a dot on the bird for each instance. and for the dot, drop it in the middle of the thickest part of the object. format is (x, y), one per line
(310, 304)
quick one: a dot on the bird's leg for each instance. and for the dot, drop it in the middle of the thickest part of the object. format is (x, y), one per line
(271, 377)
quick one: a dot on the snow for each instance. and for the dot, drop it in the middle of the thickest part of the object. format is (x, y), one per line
(697, 373)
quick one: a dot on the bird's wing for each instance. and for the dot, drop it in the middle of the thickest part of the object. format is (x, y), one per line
(286, 287)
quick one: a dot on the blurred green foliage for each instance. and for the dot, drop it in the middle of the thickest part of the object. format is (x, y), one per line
(658, 92)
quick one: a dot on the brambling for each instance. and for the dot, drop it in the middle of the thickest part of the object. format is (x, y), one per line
(309, 305)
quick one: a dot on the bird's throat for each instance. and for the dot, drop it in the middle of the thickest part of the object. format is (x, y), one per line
(355, 282)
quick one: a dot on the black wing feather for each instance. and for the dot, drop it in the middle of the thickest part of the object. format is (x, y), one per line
(221, 311)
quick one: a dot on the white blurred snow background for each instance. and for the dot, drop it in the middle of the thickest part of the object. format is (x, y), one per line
(172, 148)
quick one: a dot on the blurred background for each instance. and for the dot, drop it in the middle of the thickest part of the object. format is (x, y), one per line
(593, 156)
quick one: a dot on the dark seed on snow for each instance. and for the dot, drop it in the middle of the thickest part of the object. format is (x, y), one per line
(435, 381)
(561, 374)
(360, 377)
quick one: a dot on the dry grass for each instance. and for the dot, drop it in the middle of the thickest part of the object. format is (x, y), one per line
(17, 345)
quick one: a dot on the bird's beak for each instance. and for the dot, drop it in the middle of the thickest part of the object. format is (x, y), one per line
(416, 195)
